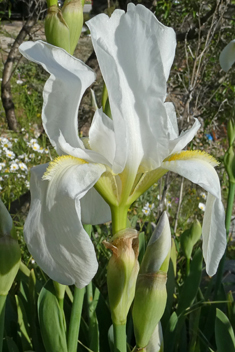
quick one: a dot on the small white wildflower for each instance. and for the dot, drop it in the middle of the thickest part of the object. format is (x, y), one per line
(6, 143)
(27, 184)
(22, 166)
(14, 167)
(202, 206)
(9, 154)
(168, 203)
(32, 155)
(32, 261)
(1, 179)
(36, 147)
(146, 211)
(46, 151)
(19, 81)
(0, 187)
(203, 195)
(2, 165)
(21, 156)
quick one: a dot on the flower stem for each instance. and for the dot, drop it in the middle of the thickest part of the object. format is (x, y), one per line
(75, 319)
(2, 318)
(119, 337)
(119, 218)
(229, 210)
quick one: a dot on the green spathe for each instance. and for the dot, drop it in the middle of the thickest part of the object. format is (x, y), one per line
(56, 29)
(72, 12)
(122, 273)
(151, 295)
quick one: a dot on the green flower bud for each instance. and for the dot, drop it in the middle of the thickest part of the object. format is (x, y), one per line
(73, 15)
(122, 273)
(151, 295)
(229, 163)
(9, 251)
(231, 132)
(56, 29)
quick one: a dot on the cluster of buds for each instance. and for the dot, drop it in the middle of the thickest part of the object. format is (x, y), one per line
(63, 26)
(146, 286)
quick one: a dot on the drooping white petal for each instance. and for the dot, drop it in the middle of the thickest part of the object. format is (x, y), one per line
(101, 136)
(214, 239)
(63, 91)
(129, 54)
(53, 230)
(227, 56)
(94, 209)
(197, 167)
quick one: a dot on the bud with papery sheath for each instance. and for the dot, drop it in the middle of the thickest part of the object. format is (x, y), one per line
(56, 29)
(150, 297)
(73, 15)
(122, 273)
(9, 251)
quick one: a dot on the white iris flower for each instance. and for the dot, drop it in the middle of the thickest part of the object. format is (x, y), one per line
(123, 156)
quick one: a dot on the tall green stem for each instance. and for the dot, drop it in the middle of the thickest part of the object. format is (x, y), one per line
(229, 211)
(75, 319)
(119, 218)
(2, 319)
(119, 337)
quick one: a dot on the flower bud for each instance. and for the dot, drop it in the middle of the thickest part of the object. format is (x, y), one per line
(9, 251)
(151, 295)
(56, 29)
(231, 131)
(73, 15)
(122, 272)
(229, 163)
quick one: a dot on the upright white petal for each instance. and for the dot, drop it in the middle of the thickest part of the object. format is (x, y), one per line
(101, 136)
(199, 170)
(53, 230)
(227, 56)
(179, 143)
(69, 78)
(129, 50)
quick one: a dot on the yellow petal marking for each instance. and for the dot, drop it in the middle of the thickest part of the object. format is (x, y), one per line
(63, 162)
(193, 154)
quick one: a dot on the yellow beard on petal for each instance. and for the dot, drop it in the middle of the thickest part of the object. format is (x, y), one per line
(60, 162)
(193, 154)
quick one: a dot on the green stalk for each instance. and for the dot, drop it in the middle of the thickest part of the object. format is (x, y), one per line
(119, 337)
(89, 290)
(51, 3)
(2, 318)
(75, 319)
(119, 218)
(229, 210)
(228, 216)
